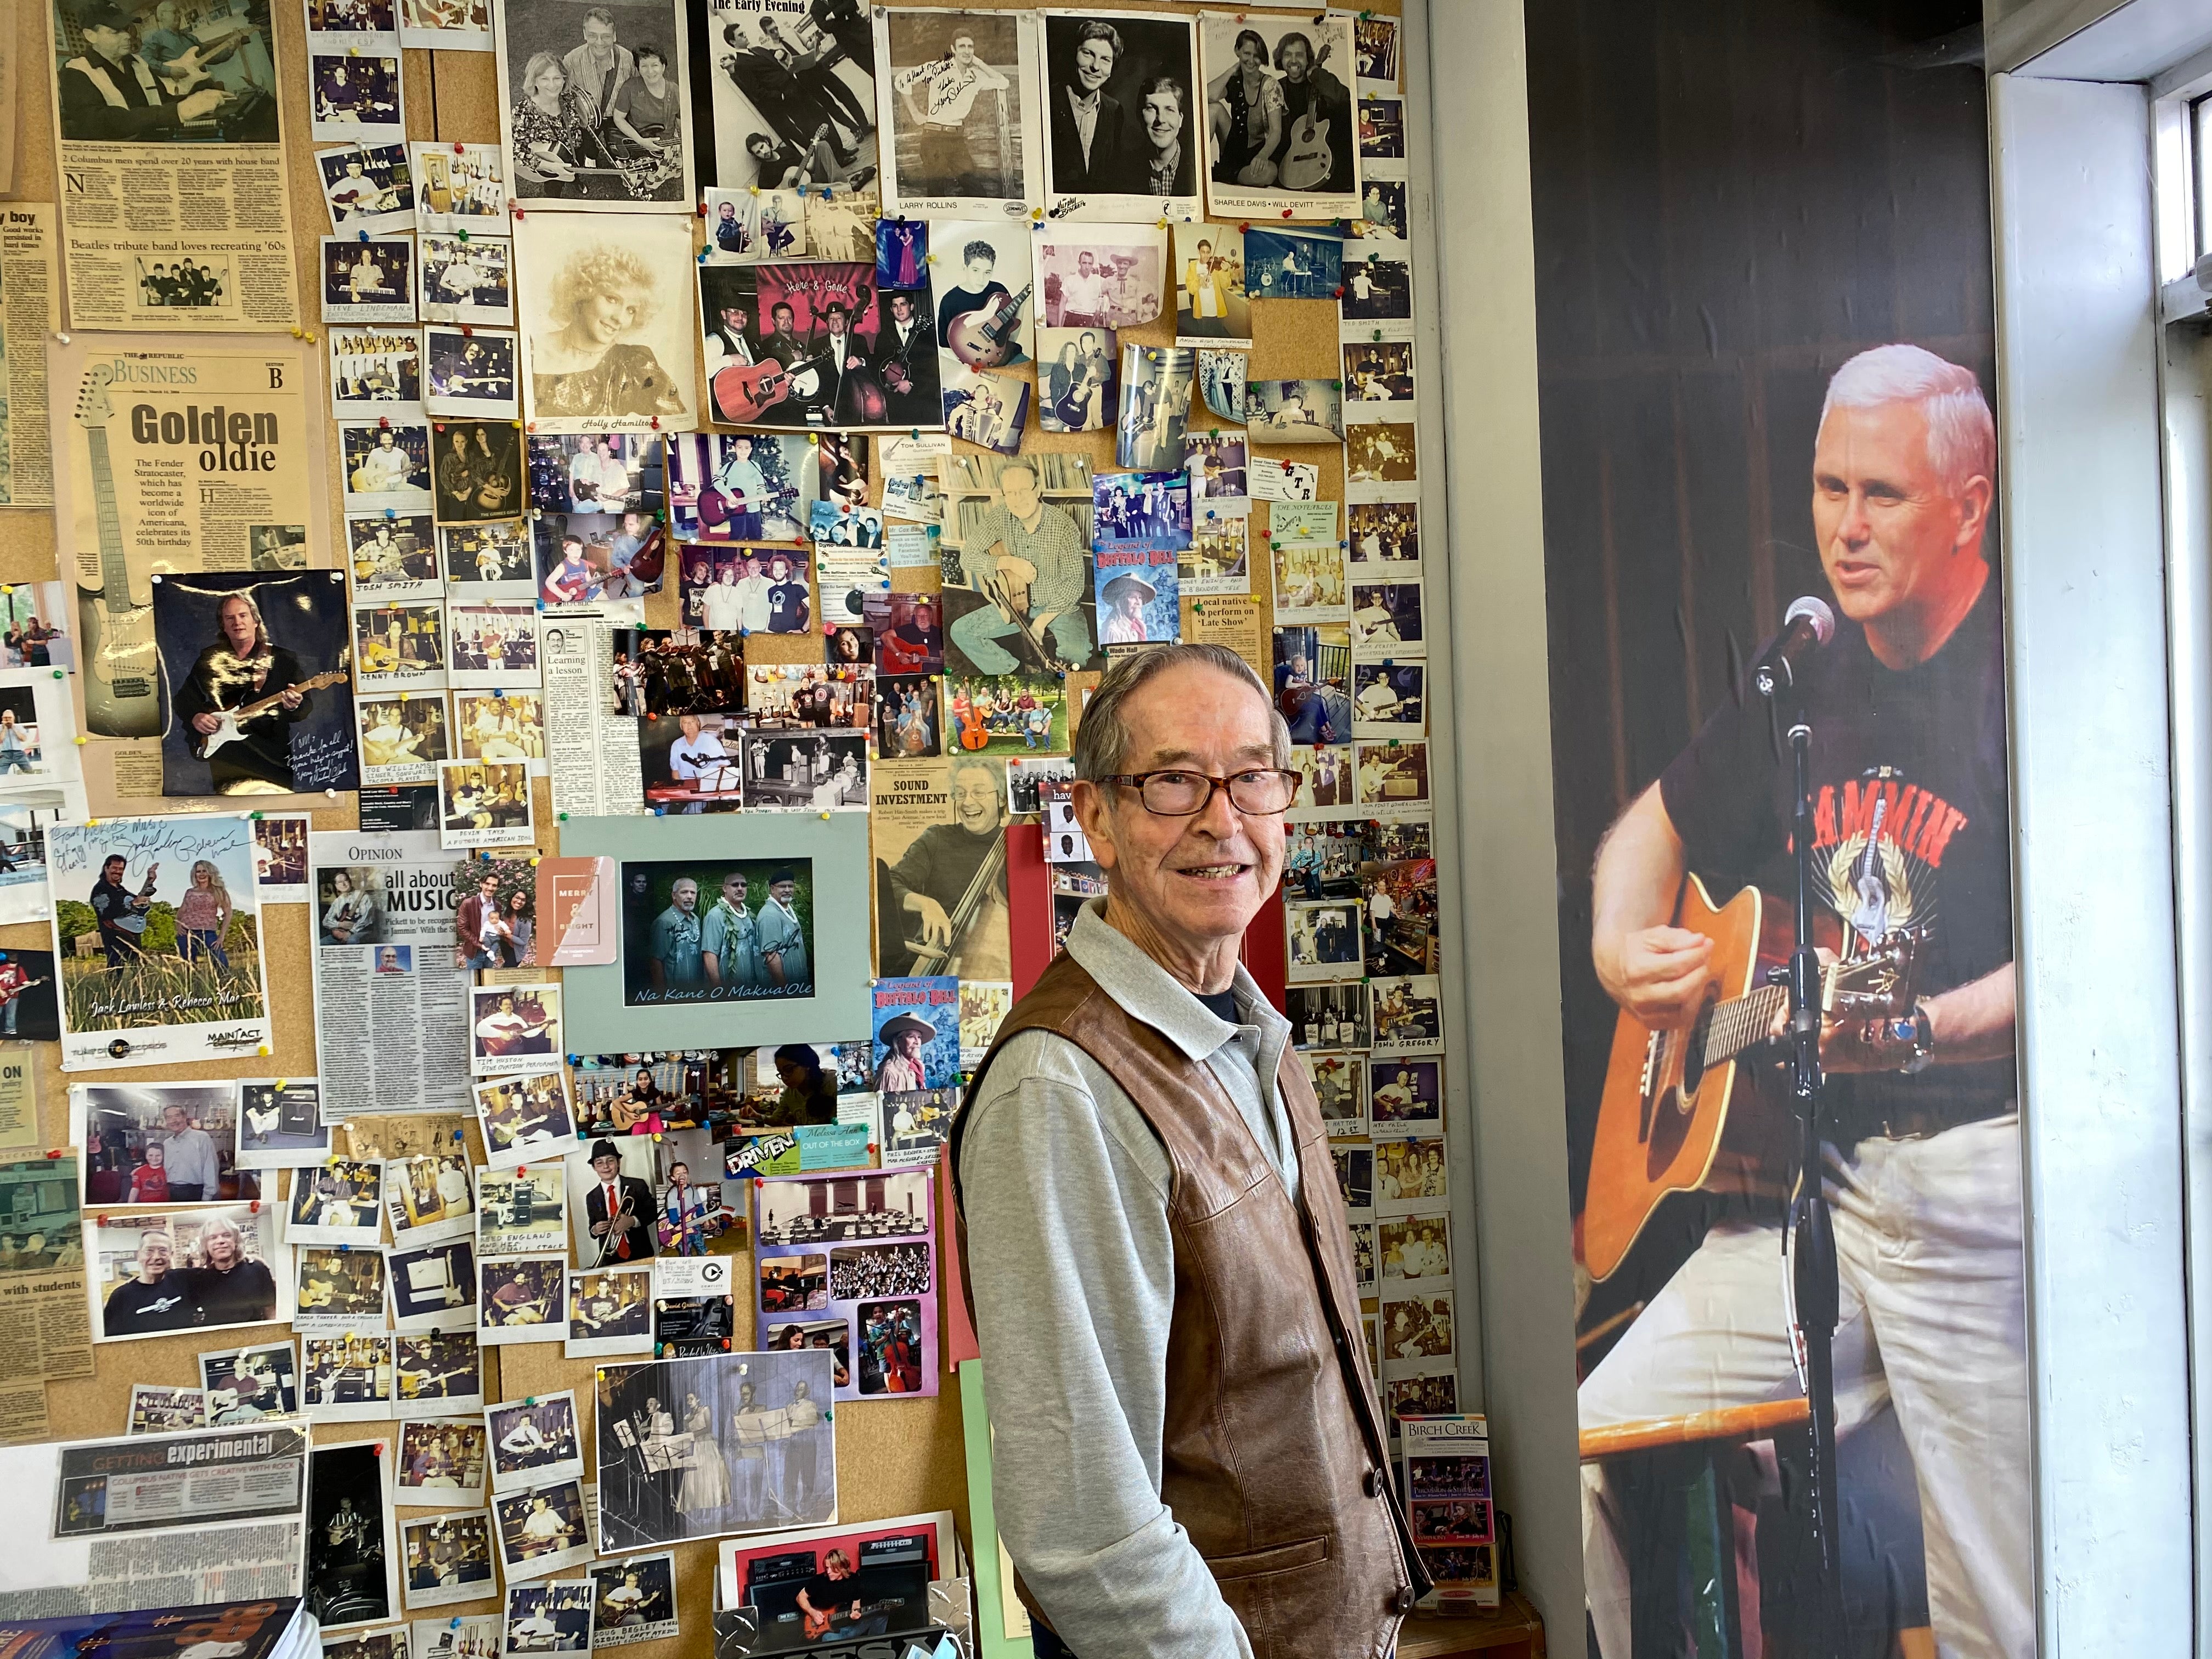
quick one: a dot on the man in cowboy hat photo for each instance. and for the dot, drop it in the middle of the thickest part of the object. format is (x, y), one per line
(1190, 1457)
(904, 1036)
(1122, 619)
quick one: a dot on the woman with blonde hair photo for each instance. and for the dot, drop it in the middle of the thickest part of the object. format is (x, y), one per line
(592, 363)
(203, 916)
(553, 122)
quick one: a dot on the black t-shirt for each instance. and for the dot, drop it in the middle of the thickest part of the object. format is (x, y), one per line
(1923, 749)
(834, 1596)
(244, 1296)
(134, 1308)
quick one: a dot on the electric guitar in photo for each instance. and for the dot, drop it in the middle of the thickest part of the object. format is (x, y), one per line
(205, 746)
(990, 336)
(117, 632)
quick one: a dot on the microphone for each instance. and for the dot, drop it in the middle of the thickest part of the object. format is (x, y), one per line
(1806, 626)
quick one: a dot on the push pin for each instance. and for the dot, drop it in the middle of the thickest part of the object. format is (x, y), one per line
(462, 235)
(459, 148)
(364, 236)
(384, 423)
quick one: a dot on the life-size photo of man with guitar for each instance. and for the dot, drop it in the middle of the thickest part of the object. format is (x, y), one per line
(1911, 880)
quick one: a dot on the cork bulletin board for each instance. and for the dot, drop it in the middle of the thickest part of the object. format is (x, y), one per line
(893, 1457)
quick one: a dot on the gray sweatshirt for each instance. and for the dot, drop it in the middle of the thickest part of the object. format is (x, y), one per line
(1071, 1267)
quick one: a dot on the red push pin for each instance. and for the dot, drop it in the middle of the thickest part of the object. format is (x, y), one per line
(656, 424)
(468, 331)
(459, 148)
(384, 423)
(1337, 292)
(1286, 213)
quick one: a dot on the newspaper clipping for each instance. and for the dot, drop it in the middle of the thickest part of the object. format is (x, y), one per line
(173, 198)
(391, 1017)
(42, 1293)
(174, 456)
(30, 310)
(595, 766)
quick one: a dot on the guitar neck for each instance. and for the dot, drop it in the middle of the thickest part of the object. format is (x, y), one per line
(1742, 1022)
(114, 573)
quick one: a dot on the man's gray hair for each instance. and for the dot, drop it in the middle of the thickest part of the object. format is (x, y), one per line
(1962, 435)
(1102, 741)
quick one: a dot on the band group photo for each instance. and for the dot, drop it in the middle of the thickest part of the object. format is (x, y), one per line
(595, 101)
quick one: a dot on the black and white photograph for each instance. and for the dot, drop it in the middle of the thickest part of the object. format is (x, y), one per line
(542, 1529)
(440, 1461)
(370, 280)
(433, 1286)
(339, 1289)
(370, 189)
(636, 1600)
(534, 1441)
(553, 1618)
(595, 103)
(951, 88)
(1324, 941)
(244, 1385)
(352, 1576)
(490, 644)
(394, 555)
(338, 1202)
(440, 1374)
(447, 1559)
(527, 1116)
(519, 1211)
(610, 1311)
(609, 342)
(462, 187)
(1123, 118)
(471, 371)
(279, 1123)
(346, 1377)
(1295, 411)
(354, 96)
(1278, 107)
(1077, 384)
(385, 464)
(260, 703)
(729, 1442)
(523, 1299)
(467, 278)
(489, 560)
(806, 772)
(1156, 390)
(794, 96)
(377, 371)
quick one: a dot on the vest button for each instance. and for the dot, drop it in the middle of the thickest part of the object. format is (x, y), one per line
(1404, 1600)
(1373, 1483)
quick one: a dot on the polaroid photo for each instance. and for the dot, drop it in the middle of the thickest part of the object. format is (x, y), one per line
(354, 96)
(346, 1377)
(1309, 582)
(533, 1442)
(399, 644)
(377, 372)
(429, 1198)
(488, 561)
(338, 1288)
(368, 279)
(1418, 1328)
(1415, 1247)
(385, 464)
(501, 726)
(1388, 700)
(1326, 790)
(1405, 1096)
(402, 736)
(1275, 77)
(1217, 561)
(158, 1409)
(394, 555)
(1378, 290)
(1382, 132)
(159, 1144)
(475, 1638)
(484, 804)
(746, 225)
(605, 309)
(1295, 411)
(1386, 621)
(471, 371)
(1283, 481)
(1157, 382)
(519, 1211)
(1394, 779)
(476, 471)
(448, 1559)
(1339, 1085)
(525, 1116)
(1408, 1015)
(1384, 536)
(619, 70)
(548, 1618)
(542, 1529)
(279, 1124)
(1363, 1257)
(280, 861)
(1376, 41)
(523, 1299)
(491, 644)
(1355, 1180)
(1382, 209)
(445, 26)
(442, 1375)
(337, 1202)
(244, 1385)
(635, 1599)
(1407, 1173)
(433, 1286)
(440, 1461)
(1324, 940)
(517, 1028)
(460, 186)
(467, 278)
(352, 1569)
(955, 130)
(367, 187)
(1136, 74)
(609, 1312)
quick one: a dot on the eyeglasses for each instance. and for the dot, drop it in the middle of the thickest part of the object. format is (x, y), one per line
(1177, 794)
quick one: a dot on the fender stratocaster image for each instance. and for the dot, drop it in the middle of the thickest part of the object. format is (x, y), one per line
(118, 633)
(203, 748)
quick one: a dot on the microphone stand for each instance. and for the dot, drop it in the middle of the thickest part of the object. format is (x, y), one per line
(1812, 1229)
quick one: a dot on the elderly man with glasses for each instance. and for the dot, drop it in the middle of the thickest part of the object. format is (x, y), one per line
(1190, 1457)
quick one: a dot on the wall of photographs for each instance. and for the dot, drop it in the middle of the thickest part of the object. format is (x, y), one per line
(742, 490)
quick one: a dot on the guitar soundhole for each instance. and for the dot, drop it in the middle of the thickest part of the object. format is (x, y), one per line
(1693, 1058)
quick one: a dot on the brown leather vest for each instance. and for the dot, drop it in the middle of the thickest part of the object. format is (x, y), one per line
(1274, 1457)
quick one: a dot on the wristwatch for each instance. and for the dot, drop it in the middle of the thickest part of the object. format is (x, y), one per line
(1917, 1029)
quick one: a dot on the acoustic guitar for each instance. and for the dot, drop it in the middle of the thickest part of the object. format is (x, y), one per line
(1677, 1115)
(742, 392)
(1306, 164)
